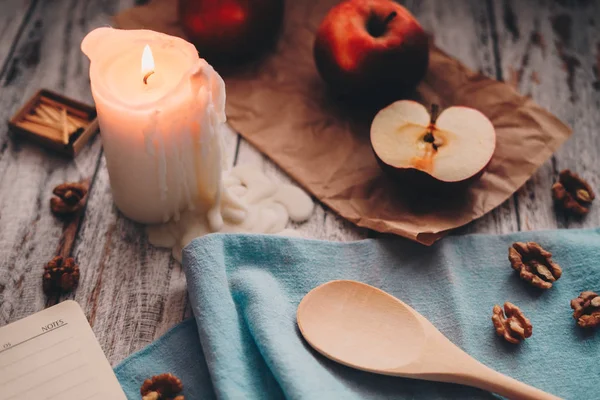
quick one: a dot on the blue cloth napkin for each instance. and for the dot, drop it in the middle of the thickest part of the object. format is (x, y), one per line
(244, 290)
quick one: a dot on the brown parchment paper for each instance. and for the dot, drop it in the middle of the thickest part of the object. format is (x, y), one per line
(282, 107)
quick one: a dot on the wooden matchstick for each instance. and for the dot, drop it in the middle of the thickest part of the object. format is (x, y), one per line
(57, 105)
(71, 126)
(47, 113)
(56, 122)
(77, 123)
(34, 119)
(41, 130)
(65, 128)
(41, 121)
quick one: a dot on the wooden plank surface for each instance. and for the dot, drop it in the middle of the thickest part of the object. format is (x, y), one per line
(132, 292)
(45, 53)
(464, 29)
(550, 50)
(13, 18)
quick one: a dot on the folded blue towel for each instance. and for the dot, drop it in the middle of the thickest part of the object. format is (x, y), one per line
(244, 290)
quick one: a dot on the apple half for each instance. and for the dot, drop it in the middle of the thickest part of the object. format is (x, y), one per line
(433, 151)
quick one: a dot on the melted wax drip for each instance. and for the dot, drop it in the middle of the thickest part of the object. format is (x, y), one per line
(250, 202)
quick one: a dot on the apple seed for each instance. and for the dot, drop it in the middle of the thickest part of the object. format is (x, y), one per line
(429, 138)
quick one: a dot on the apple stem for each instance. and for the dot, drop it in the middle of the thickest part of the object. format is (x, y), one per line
(376, 26)
(390, 17)
(435, 112)
(429, 138)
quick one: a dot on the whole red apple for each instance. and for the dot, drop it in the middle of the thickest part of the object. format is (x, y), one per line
(371, 49)
(231, 30)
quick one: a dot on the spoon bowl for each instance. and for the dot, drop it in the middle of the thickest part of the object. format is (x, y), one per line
(366, 328)
(372, 336)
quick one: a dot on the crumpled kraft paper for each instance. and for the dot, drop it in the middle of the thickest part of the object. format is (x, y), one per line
(282, 107)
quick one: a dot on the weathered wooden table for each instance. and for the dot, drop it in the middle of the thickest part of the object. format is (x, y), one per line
(132, 292)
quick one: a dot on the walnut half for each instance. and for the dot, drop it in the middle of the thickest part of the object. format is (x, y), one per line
(573, 193)
(162, 387)
(586, 309)
(534, 264)
(61, 275)
(514, 327)
(68, 198)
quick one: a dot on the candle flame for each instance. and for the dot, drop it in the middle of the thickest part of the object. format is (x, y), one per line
(147, 61)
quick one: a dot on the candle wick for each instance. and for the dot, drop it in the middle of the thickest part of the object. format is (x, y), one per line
(147, 76)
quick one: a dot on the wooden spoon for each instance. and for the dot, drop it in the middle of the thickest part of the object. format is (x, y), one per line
(366, 328)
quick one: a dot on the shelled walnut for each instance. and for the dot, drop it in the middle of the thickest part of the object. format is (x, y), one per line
(534, 264)
(514, 327)
(162, 387)
(60, 275)
(573, 193)
(68, 198)
(586, 309)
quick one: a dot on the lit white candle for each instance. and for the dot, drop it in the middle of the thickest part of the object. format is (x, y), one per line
(160, 124)
(161, 109)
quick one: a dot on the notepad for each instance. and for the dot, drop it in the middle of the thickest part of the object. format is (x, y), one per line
(54, 355)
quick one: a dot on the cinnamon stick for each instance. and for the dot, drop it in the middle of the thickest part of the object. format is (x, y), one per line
(69, 234)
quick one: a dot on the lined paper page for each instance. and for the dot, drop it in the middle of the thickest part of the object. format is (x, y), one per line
(54, 355)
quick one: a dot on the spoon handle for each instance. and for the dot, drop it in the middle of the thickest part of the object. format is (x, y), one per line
(486, 378)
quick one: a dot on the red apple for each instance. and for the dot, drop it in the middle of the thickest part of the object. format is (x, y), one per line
(430, 151)
(371, 48)
(230, 30)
